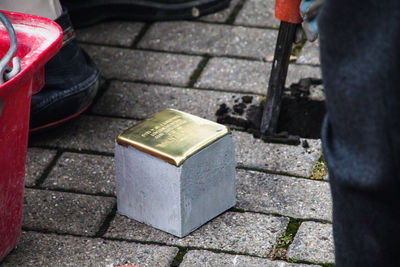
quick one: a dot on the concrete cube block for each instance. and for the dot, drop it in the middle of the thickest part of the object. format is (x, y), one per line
(175, 196)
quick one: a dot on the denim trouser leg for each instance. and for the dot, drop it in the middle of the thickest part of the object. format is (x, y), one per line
(360, 57)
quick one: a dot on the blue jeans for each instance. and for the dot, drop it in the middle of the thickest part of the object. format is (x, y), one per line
(360, 59)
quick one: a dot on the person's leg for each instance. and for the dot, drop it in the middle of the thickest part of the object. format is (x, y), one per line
(71, 77)
(361, 134)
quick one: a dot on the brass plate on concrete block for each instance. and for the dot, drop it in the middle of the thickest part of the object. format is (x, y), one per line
(172, 135)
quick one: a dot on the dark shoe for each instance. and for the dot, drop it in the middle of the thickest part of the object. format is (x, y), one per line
(88, 12)
(71, 83)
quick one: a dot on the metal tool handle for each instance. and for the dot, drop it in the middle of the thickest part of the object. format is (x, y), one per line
(288, 12)
(6, 73)
(276, 85)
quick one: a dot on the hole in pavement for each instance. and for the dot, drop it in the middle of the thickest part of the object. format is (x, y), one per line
(302, 111)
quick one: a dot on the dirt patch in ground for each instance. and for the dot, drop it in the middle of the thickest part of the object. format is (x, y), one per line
(301, 115)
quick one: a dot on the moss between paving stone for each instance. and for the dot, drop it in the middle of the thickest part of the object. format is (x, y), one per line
(299, 46)
(320, 170)
(179, 257)
(311, 262)
(279, 252)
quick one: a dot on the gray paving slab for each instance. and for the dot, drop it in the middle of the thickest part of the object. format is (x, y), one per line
(309, 54)
(96, 133)
(235, 75)
(111, 33)
(86, 133)
(247, 76)
(85, 173)
(271, 193)
(127, 64)
(249, 233)
(259, 13)
(65, 212)
(213, 39)
(203, 258)
(222, 15)
(313, 242)
(136, 100)
(36, 249)
(296, 160)
(297, 72)
(37, 160)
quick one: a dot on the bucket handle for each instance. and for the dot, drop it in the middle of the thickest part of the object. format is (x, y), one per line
(6, 73)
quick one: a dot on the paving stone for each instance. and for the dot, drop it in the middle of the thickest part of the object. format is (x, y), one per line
(247, 76)
(259, 13)
(96, 133)
(65, 212)
(139, 101)
(309, 54)
(206, 258)
(85, 133)
(313, 242)
(126, 64)
(296, 160)
(222, 15)
(213, 39)
(297, 72)
(235, 75)
(270, 193)
(111, 33)
(83, 173)
(36, 249)
(37, 160)
(249, 233)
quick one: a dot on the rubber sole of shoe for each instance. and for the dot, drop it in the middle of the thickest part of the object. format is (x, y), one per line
(89, 12)
(63, 109)
(55, 124)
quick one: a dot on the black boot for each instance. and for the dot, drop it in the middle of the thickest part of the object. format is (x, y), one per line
(88, 12)
(71, 83)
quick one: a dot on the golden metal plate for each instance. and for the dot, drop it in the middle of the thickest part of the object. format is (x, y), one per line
(172, 135)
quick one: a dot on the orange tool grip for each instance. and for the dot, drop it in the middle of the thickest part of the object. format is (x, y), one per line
(288, 11)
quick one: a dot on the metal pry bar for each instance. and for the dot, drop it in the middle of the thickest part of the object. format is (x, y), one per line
(283, 50)
(288, 12)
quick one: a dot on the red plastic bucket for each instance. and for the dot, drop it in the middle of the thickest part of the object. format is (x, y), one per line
(38, 40)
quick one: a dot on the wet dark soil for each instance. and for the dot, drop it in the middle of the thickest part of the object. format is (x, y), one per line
(300, 115)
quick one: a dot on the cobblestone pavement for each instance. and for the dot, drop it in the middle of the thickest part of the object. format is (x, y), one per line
(282, 217)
